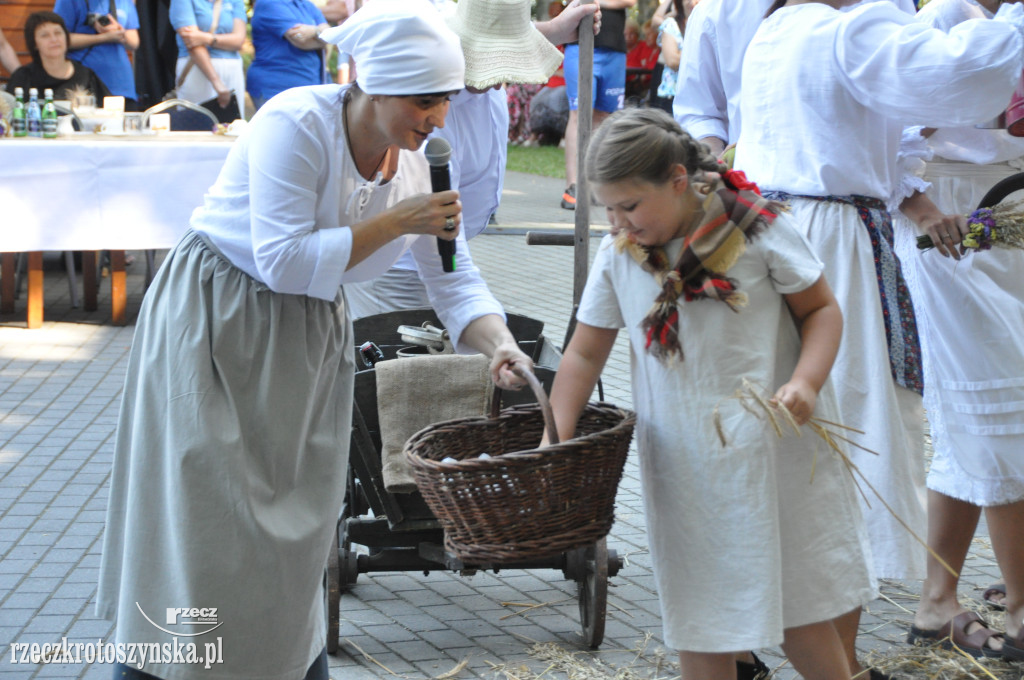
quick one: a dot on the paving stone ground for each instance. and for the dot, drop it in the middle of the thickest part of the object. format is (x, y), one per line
(59, 393)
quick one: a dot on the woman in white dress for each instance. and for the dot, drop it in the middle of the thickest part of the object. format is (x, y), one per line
(971, 311)
(748, 550)
(825, 97)
(232, 445)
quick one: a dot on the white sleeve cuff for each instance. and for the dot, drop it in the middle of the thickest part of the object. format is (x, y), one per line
(1011, 13)
(334, 253)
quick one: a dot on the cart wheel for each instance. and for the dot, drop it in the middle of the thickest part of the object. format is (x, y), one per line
(348, 559)
(332, 596)
(355, 505)
(593, 592)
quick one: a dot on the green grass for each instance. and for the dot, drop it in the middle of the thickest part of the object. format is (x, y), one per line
(548, 161)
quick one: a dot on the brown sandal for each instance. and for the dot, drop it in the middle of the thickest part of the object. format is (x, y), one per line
(1013, 648)
(954, 634)
(991, 592)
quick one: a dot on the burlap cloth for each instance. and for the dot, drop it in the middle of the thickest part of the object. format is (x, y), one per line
(413, 393)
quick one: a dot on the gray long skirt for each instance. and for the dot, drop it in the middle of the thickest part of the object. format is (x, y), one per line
(229, 472)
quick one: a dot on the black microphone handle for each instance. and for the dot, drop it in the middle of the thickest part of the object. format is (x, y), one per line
(441, 181)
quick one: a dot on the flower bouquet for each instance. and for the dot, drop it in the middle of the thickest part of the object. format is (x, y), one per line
(1001, 226)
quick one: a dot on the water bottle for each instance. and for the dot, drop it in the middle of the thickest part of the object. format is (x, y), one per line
(33, 114)
(18, 121)
(49, 115)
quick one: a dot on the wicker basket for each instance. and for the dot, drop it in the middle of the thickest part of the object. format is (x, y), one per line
(523, 503)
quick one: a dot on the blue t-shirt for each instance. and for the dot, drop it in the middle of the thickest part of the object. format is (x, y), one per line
(108, 60)
(200, 13)
(279, 65)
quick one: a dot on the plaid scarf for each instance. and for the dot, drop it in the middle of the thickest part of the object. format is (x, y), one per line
(734, 213)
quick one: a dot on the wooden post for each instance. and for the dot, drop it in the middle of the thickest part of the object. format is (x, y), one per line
(35, 289)
(7, 265)
(89, 280)
(585, 121)
(118, 288)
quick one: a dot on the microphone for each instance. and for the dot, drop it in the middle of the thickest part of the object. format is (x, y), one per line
(438, 152)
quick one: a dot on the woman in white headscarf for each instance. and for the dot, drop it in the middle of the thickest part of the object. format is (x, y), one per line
(232, 446)
(501, 44)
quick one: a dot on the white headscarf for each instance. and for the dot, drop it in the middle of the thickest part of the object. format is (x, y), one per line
(401, 47)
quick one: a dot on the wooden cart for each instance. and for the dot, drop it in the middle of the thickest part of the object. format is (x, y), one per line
(399, 530)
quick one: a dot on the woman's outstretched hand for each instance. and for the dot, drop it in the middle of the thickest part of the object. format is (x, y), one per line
(505, 356)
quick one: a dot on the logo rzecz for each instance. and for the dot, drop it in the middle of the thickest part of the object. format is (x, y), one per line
(191, 615)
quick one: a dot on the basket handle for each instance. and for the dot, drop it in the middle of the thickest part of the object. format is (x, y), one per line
(542, 399)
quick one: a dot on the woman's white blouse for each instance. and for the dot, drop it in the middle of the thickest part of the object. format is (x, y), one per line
(826, 94)
(281, 209)
(968, 144)
(707, 99)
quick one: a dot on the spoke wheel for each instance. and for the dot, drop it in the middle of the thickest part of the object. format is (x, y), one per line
(593, 592)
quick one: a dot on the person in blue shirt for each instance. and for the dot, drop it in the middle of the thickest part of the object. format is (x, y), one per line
(289, 52)
(216, 69)
(102, 33)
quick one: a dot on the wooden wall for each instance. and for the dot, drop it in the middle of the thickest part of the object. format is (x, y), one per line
(12, 19)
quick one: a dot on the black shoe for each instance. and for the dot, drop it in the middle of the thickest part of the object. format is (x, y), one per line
(569, 197)
(757, 670)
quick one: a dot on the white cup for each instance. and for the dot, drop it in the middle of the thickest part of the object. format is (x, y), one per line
(160, 122)
(113, 126)
(113, 104)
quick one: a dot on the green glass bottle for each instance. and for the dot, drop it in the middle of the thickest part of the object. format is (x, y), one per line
(49, 115)
(19, 119)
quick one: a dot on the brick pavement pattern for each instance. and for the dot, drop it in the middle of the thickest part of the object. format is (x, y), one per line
(59, 396)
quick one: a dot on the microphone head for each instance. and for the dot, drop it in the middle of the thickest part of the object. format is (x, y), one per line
(438, 151)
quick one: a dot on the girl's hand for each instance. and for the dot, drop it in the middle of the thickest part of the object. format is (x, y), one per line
(799, 397)
(438, 214)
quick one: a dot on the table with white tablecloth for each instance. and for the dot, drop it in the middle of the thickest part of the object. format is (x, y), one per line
(93, 192)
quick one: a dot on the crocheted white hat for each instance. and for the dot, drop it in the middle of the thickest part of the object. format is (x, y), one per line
(501, 44)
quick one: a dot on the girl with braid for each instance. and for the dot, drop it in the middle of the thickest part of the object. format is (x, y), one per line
(755, 540)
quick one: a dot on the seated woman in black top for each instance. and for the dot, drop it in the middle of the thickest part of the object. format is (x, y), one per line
(48, 43)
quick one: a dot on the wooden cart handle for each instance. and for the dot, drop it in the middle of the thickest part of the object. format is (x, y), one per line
(542, 399)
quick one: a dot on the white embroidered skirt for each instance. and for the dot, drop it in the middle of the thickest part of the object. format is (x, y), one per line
(974, 349)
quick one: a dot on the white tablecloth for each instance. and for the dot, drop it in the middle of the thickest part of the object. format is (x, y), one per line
(93, 193)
